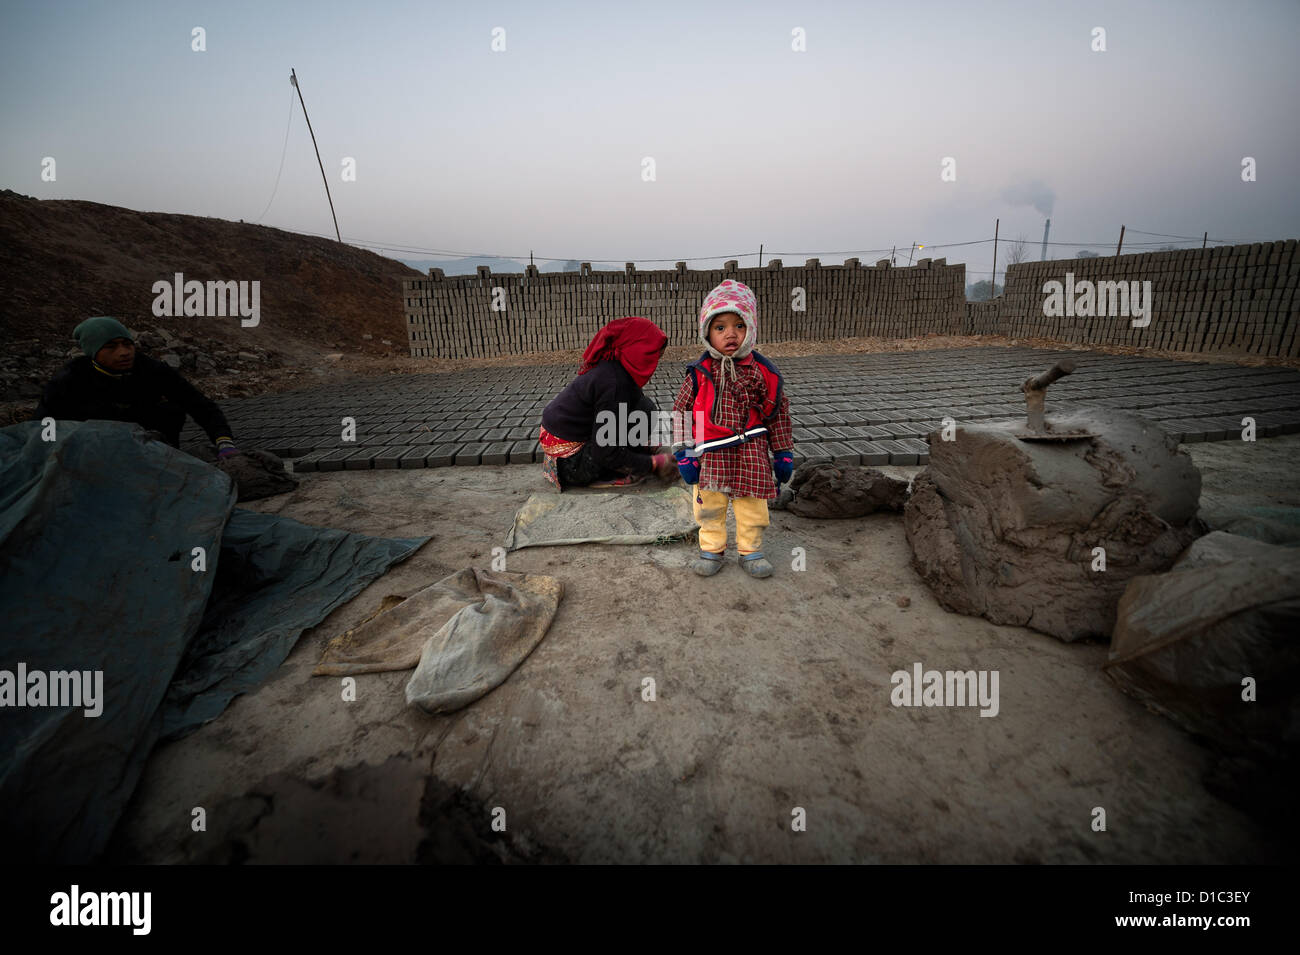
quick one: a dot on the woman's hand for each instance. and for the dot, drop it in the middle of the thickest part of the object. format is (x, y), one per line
(663, 466)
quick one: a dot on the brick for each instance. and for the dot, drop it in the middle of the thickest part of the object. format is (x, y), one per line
(811, 453)
(308, 463)
(869, 452)
(470, 453)
(525, 452)
(922, 449)
(873, 432)
(414, 458)
(497, 453)
(841, 454)
(1231, 427)
(443, 455)
(908, 427)
(389, 457)
(334, 460)
(823, 434)
(1199, 429)
(896, 431)
(899, 453)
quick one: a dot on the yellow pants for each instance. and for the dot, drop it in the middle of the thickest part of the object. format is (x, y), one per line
(711, 515)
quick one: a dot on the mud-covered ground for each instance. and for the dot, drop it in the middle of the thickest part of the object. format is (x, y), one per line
(772, 696)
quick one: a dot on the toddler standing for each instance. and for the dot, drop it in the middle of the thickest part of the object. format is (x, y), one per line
(732, 434)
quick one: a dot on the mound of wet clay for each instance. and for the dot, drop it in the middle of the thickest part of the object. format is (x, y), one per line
(827, 492)
(258, 474)
(1047, 534)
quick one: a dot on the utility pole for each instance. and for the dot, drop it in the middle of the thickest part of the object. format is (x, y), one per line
(1205, 239)
(993, 286)
(293, 78)
(892, 253)
(760, 255)
(910, 253)
(1121, 240)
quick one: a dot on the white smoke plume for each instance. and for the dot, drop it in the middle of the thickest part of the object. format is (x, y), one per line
(1033, 193)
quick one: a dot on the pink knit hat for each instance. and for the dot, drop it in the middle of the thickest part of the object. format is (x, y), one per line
(731, 296)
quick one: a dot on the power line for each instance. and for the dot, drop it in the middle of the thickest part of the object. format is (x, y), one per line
(953, 245)
(1189, 238)
(410, 249)
(283, 151)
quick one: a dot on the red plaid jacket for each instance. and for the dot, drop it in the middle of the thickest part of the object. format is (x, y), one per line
(745, 470)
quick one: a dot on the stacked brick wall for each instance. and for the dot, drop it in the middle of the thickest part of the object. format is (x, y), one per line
(1227, 299)
(981, 315)
(453, 316)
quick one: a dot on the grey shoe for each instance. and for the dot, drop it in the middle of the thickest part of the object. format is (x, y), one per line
(756, 565)
(707, 564)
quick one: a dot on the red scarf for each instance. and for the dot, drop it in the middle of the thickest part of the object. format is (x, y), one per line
(635, 343)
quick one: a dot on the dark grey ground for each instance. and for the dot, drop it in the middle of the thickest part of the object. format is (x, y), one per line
(852, 409)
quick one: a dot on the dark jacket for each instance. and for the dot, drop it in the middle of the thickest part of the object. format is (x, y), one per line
(151, 394)
(571, 415)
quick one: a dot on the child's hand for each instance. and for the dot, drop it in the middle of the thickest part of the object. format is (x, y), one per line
(782, 466)
(688, 466)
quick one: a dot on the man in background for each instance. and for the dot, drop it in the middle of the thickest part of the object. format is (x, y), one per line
(112, 382)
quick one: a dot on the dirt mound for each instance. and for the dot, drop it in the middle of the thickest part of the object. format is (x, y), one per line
(65, 260)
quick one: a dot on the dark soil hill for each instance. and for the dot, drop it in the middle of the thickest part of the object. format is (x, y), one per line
(65, 260)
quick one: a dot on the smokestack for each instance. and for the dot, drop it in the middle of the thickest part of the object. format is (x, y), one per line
(1046, 228)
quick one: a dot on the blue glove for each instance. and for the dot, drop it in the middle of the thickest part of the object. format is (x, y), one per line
(782, 466)
(688, 466)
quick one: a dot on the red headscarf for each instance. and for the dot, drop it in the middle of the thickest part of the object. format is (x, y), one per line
(635, 343)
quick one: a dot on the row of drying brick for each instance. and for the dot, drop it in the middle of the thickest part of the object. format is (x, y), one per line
(901, 451)
(299, 441)
(845, 453)
(302, 437)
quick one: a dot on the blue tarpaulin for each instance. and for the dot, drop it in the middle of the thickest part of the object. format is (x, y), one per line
(99, 574)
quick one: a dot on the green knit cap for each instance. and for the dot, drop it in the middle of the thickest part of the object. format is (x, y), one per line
(94, 333)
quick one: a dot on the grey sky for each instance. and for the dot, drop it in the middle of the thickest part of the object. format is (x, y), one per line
(460, 149)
